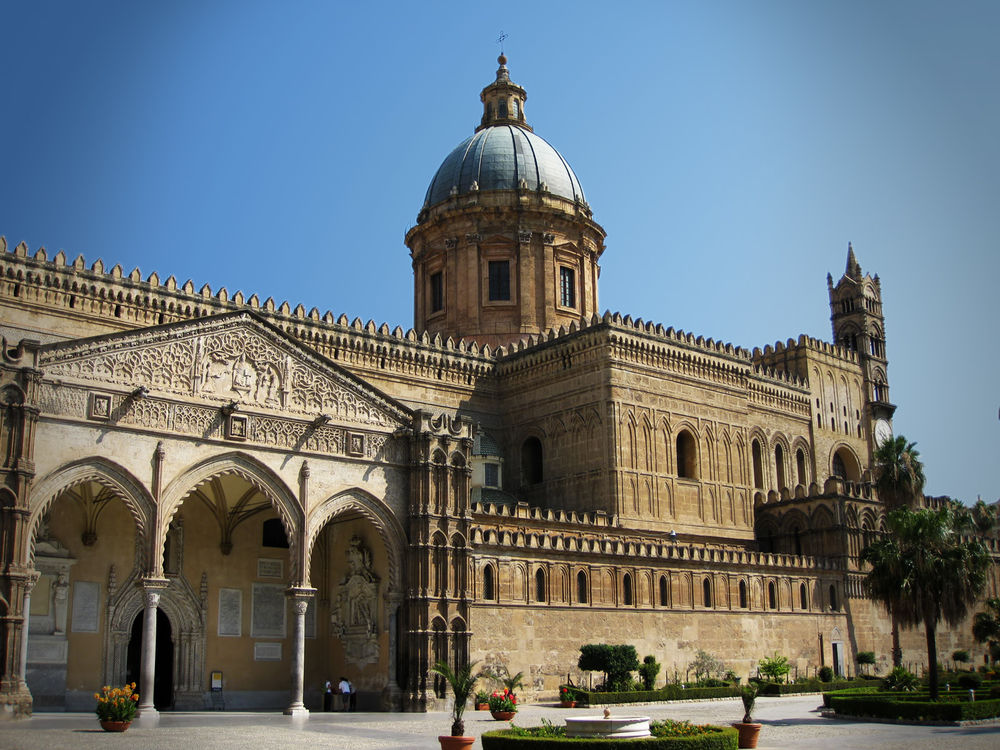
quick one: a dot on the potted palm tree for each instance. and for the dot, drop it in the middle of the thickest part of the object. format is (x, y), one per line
(748, 729)
(462, 682)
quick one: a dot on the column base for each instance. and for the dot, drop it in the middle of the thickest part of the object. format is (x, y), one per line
(297, 712)
(147, 717)
(15, 704)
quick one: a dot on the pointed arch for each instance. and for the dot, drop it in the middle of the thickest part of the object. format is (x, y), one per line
(106, 473)
(255, 473)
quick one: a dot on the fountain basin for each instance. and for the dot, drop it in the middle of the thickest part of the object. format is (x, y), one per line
(615, 726)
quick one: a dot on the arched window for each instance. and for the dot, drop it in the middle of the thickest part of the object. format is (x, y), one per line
(743, 594)
(489, 585)
(758, 466)
(540, 585)
(800, 465)
(779, 465)
(664, 592)
(687, 456)
(272, 534)
(797, 539)
(834, 604)
(803, 598)
(839, 470)
(581, 587)
(706, 592)
(627, 590)
(531, 461)
(772, 595)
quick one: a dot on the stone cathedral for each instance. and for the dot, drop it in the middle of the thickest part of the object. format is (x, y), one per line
(230, 501)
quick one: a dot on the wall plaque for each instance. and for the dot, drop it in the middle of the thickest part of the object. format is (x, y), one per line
(86, 602)
(267, 652)
(269, 568)
(268, 611)
(230, 612)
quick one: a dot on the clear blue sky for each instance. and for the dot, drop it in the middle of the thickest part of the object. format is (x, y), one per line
(730, 149)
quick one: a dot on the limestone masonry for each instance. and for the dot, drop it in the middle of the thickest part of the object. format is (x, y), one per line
(230, 501)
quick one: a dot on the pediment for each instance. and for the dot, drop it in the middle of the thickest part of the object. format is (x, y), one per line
(235, 357)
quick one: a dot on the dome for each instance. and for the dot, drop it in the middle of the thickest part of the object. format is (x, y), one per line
(499, 157)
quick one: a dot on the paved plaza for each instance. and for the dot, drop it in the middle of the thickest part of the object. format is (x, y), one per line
(788, 722)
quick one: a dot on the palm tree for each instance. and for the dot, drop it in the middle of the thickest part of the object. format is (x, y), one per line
(986, 626)
(463, 682)
(923, 572)
(899, 477)
(899, 474)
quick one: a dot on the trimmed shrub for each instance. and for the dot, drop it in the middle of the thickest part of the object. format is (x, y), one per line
(714, 738)
(648, 671)
(900, 678)
(883, 707)
(825, 674)
(970, 681)
(617, 663)
(775, 667)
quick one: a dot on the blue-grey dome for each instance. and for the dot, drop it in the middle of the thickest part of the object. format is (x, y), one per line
(498, 157)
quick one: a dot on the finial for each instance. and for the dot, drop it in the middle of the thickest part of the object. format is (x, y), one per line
(500, 42)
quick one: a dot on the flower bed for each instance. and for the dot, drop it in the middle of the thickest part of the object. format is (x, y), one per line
(667, 735)
(668, 693)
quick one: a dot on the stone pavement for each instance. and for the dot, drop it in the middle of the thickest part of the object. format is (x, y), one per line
(792, 721)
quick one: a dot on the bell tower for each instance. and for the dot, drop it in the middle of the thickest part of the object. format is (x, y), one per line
(505, 245)
(858, 325)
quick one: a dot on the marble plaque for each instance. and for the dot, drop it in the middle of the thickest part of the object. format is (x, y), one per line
(268, 611)
(268, 568)
(47, 649)
(230, 612)
(86, 601)
(267, 652)
(311, 618)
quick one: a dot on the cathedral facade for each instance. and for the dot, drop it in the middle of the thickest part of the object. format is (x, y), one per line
(231, 501)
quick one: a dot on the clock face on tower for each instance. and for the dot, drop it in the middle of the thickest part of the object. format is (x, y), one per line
(883, 431)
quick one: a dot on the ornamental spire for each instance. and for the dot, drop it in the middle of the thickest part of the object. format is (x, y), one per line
(503, 100)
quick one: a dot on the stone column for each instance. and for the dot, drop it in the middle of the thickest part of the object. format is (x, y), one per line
(299, 597)
(152, 588)
(391, 694)
(28, 586)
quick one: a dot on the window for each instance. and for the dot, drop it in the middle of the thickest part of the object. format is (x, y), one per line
(531, 461)
(489, 588)
(627, 590)
(502, 108)
(437, 292)
(664, 593)
(839, 469)
(567, 287)
(686, 455)
(834, 605)
(492, 475)
(581, 587)
(540, 585)
(803, 599)
(779, 466)
(743, 594)
(758, 466)
(706, 592)
(273, 534)
(772, 595)
(499, 280)
(800, 465)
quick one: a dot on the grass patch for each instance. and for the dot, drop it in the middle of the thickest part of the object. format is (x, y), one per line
(667, 735)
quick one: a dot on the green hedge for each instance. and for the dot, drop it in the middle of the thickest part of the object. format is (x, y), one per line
(883, 707)
(668, 693)
(505, 739)
(810, 686)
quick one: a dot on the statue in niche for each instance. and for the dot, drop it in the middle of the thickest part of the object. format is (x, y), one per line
(60, 596)
(354, 614)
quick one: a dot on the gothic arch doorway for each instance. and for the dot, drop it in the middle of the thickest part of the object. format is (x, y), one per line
(163, 685)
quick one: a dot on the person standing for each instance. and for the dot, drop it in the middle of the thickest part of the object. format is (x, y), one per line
(344, 688)
(328, 696)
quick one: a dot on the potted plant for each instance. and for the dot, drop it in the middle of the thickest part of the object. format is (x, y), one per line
(116, 707)
(482, 700)
(503, 704)
(567, 697)
(748, 729)
(462, 682)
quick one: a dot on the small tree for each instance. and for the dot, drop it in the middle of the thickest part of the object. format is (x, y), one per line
(648, 671)
(866, 658)
(986, 626)
(775, 668)
(705, 665)
(617, 663)
(462, 682)
(961, 656)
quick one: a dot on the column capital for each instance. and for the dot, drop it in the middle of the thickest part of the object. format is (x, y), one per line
(302, 593)
(152, 583)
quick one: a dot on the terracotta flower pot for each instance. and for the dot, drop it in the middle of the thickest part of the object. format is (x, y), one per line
(503, 715)
(115, 726)
(748, 733)
(448, 742)
(567, 704)
(482, 706)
